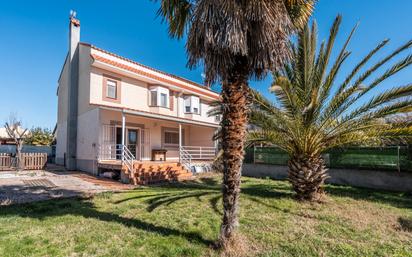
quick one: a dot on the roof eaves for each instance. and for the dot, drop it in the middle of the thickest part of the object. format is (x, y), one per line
(150, 68)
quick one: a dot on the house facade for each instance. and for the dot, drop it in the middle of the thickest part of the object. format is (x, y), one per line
(113, 109)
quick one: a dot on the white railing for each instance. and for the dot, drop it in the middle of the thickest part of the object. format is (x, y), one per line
(128, 158)
(185, 158)
(117, 152)
(203, 153)
(109, 152)
(188, 154)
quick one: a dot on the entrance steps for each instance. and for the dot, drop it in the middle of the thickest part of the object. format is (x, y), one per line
(148, 172)
(145, 173)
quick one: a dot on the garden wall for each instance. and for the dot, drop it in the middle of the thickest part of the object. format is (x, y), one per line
(388, 180)
(26, 149)
(396, 158)
(49, 150)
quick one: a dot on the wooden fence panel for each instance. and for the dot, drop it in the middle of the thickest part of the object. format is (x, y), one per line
(34, 161)
(5, 161)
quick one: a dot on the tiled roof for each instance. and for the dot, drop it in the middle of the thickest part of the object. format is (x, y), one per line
(120, 65)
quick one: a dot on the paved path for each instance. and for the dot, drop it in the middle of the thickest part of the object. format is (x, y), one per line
(29, 186)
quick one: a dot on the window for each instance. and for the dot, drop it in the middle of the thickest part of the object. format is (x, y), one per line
(192, 104)
(163, 100)
(159, 96)
(171, 138)
(111, 90)
(153, 98)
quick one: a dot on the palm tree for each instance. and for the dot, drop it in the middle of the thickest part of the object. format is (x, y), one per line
(312, 112)
(235, 40)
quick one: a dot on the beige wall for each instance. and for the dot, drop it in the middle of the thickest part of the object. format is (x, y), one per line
(201, 136)
(87, 135)
(135, 95)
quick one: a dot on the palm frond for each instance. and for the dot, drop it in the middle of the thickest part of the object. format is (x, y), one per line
(177, 13)
(315, 113)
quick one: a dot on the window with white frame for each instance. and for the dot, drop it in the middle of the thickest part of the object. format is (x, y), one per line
(163, 100)
(159, 96)
(192, 104)
(153, 98)
(111, 89)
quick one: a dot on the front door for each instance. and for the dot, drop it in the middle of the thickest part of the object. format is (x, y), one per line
(118, 143)
(133, 142)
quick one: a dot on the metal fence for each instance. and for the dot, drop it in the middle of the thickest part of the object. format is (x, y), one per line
(397, 158)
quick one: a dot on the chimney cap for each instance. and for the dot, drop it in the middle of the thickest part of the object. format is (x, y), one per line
(73, 14)
(73, 18)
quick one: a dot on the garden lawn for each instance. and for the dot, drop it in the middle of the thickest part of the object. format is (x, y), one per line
(183, 220)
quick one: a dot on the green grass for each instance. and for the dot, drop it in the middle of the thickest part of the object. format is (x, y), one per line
(183, 220)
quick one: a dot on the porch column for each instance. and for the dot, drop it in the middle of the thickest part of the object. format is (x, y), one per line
(123, 132)
(180, 139)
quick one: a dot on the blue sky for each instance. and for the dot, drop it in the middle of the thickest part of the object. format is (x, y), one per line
(33, 43)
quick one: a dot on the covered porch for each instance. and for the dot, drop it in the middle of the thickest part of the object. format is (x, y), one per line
(127, 138)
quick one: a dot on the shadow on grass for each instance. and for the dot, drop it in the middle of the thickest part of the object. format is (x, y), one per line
(256, 190)
(168, 194)
(86, 209)
(209, 187)
(168, 200)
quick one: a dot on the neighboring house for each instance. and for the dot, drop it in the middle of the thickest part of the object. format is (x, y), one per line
(5, 139)
(113, 109)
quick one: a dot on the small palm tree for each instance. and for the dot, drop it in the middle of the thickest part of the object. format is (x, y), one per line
(313, 112)
(235, 40)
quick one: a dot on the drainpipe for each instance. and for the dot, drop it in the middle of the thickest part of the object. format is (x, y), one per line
(123, 132)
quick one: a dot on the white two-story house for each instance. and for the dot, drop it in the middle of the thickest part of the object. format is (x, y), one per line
(114, 110)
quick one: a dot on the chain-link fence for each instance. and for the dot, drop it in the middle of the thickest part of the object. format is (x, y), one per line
(397, 158)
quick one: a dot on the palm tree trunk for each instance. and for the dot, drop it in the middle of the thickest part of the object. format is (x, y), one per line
(307, 175)
(235, 100)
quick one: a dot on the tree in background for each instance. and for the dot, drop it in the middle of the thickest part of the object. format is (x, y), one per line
(39, 136)
(235, 40)
(313, 113)
(17, 133)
